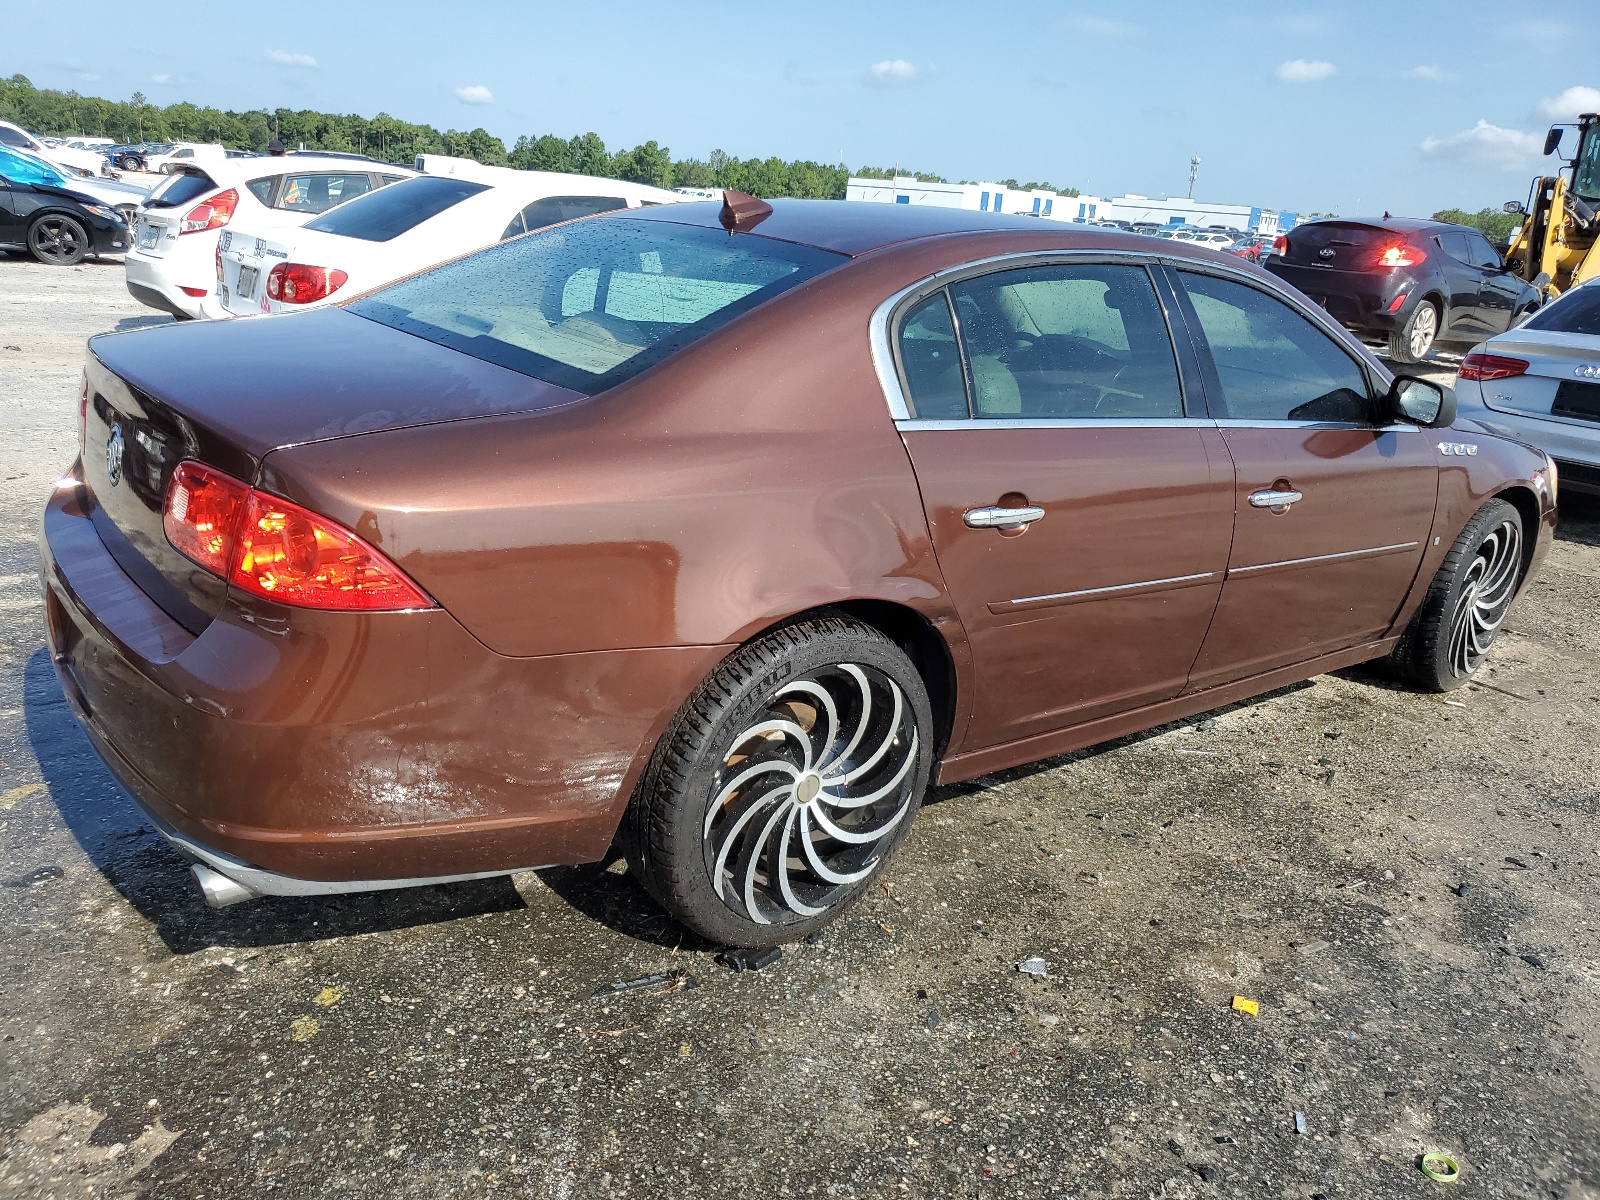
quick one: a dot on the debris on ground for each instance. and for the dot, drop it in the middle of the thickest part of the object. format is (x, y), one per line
(303, 1029)
(741, 958)
(1440, 1167)
(1034, 966)
(664, 981)
(33, 878)
(1247, 1006)
(328, 997)
(1309, 949)
(1299, 1122)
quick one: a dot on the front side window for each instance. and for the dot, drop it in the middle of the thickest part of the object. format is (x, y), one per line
(588, 305)
(399, 208)
(1586, 167)
(931, 361)
(1483, 254)
(1067, 342)
(10, 137)
(1272, 363)
(320, 192)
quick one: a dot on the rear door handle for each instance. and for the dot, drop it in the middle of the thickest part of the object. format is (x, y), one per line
(1003, 518)
(1276, 501)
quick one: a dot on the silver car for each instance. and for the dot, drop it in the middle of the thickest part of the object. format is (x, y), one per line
(1540, 382)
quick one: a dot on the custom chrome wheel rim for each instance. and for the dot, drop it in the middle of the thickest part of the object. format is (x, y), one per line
(55, 238)
(1423, 330)
(808, 794)
(1486, 592)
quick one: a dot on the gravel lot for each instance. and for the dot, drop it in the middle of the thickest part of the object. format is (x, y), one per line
(1407, 884)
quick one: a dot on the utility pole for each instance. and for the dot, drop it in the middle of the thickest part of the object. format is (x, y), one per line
(1194, 169)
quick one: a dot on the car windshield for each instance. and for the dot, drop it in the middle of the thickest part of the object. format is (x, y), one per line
(385, 214)
(25, 168)
(1576, 312)
(590, 304)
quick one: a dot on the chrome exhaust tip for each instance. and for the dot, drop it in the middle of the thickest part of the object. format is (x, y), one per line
(219, 890)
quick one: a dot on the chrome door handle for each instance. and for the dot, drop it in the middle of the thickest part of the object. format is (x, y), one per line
(1003, 518)
(1276, 501)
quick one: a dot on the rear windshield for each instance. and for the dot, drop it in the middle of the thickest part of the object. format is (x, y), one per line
(180, 189)
(1576, 312)
(1320, 234)
(588, 305)
(388, 212)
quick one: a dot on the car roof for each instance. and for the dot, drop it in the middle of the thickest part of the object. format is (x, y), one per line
(229, 170)
(855, 228)
(1407, 224)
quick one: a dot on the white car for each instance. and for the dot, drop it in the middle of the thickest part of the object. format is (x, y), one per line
(413, 225)
(184, 154)
(77, 162)
(173, 264)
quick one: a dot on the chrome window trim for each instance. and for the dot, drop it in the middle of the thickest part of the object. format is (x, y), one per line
(1243, 423)
(880, 331)
(1144, 587)
(908, 424)
(1285, 564)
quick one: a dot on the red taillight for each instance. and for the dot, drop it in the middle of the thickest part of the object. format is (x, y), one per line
(1491, 366)
(296, 283)
(1280, 244)
(271, 547)
(211, 214)
(1400, 255)
(201, 516)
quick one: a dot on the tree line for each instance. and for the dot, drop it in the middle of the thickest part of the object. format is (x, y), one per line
(1496, 225)
(67, 114)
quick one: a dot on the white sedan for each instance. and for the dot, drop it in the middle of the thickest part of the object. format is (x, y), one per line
(416, 224)
(173, 263)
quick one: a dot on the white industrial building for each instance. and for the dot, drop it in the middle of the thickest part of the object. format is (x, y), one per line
(1133, 209)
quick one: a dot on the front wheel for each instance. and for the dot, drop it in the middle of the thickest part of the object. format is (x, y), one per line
(1411, 343)
(58, 240)
(1466, 604)
(784, 784)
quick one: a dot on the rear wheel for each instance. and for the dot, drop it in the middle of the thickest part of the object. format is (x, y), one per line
(784, 785)
(58, 240)
(1466, 604)
(1411, 343)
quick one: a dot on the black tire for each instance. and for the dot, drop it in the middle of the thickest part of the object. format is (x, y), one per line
(1411, 343)
(58, 240)
(710, 829)
(1466, 604)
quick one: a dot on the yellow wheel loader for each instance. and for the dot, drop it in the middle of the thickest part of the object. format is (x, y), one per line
(1555, 248)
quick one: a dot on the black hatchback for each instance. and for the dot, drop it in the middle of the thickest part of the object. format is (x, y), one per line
(1414, 283)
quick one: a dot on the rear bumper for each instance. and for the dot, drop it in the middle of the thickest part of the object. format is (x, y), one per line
(151, 281)
(1574, 445)
(1358, 301)
(301, 753)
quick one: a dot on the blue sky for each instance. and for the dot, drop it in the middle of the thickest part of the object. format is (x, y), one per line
(1405, 106)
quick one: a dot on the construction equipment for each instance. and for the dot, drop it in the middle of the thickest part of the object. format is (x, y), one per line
(1555, 248)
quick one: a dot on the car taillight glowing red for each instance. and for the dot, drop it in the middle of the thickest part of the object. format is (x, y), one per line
(211, 214)
(296, 283)
(1491, 366)
(1400, 255)
(271, 547)
(1280, 244)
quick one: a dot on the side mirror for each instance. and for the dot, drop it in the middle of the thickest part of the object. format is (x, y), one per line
(1419, 402)
(1552, 139)
(1514, 207)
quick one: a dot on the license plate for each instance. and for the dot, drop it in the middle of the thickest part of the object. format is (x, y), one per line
(246, 286)
(149, 235)
(222, 293)
(1580, 400)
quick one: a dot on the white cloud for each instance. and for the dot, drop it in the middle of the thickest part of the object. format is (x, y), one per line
(1487, 147)
(1299, 70)
(475, 94)
(1104, 27)
(1432, 74)
(1570, 103)
(161, 79)
(892, 72)
(284, 59)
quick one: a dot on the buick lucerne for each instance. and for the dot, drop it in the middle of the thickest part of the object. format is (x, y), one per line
(717, 532)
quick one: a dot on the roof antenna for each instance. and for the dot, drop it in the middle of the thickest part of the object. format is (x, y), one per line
(1386, 215)
(742, 211)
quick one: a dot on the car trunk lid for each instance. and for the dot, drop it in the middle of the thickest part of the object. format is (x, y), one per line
(228, 393)
(1552, 385)
(1338, 245)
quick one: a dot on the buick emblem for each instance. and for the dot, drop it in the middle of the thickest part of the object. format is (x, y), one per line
(1588, 371)
(1324, 253)
(114, 456)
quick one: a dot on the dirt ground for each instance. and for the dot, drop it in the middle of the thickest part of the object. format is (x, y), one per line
(1407, 884)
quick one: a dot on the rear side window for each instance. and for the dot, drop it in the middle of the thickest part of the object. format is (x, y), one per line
(320, 192)
(1576, 312)
(552, 210)
(931, 361)
(182, 188)
(588, 305)
(1272, 363)
(391, 211)
(11, 137)
(1067, 343)
(262, 189)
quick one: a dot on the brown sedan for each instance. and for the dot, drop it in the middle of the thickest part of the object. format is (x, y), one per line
(719, 531)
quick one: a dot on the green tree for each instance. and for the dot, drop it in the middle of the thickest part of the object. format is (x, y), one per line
(1496, 225)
